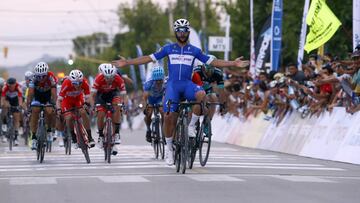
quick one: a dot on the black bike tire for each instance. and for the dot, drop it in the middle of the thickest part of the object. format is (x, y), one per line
(203, 159)
(161, 142)
(109, 141)
(155, 140)
(11, 133)
(192, 152)
(184, 145)
(177, 157)
(84, 147)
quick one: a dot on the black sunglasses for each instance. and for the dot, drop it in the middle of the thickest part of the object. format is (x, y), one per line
(182, 29)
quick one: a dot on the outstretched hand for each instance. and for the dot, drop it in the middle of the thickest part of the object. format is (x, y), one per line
(239, 62)
(120, 63)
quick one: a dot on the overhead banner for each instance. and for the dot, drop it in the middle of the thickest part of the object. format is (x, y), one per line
(252, 42)
(302, 35)
(356, 23)
(262, 50)
(323, 25)
(276, 25)
(141, 67)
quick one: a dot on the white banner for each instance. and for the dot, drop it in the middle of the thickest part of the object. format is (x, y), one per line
(252, 42)
(302, 35)
(356, 23)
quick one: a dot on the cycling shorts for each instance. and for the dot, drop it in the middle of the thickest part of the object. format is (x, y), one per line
(68, 103)
(108, 97)
(177, 90)
(42, 97)
(154, 100)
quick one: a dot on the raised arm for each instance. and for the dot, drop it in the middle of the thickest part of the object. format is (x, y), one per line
(136, 61)
(239, 62)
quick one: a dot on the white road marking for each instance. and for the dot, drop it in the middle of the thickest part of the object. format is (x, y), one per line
(213, 178)
(310, 179)
(123, 179)
(32, 181)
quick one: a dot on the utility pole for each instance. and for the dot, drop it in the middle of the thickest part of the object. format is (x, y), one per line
(186, 9)
(171, 17)
(202, 14)
(227, 37)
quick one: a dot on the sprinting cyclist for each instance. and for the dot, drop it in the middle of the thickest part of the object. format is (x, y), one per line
(75, 92)
(206, 76)
(109, 87)
(154, 91)
(11, 96)
(42, 90)
(181, 57)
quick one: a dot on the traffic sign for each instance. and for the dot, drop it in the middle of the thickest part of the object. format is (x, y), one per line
(220, 44)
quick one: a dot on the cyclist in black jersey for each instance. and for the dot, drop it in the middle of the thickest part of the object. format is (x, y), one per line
(206, 76)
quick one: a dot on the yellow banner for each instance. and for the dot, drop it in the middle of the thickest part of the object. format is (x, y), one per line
(323, 25)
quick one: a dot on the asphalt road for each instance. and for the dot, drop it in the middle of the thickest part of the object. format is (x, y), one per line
(233, 174)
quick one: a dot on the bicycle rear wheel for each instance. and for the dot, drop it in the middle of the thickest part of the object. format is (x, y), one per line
(192, 152)
(205, 143)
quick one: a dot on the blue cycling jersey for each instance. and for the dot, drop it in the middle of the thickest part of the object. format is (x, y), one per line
(181, 60)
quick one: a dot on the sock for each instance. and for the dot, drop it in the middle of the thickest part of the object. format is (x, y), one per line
(194, 118)
(101, 133)
(33, 137)
(169, 141)
(148, 127)
(73, 136)
(117, 128)
(89, 134)
(16, 135)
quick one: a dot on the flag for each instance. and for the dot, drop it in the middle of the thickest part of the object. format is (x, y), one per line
(323, 25)
(356, 23)
(302, 35)
(133, 76)
(142, 66)
(276, 24)
(252, 42)
(262, 50)
(161, 61)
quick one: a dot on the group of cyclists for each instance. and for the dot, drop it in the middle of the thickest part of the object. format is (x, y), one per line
(184, 82)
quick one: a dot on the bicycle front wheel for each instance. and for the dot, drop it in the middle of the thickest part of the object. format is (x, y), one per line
(11, 133)
(82, 137)
(205, 143)
(184, 144)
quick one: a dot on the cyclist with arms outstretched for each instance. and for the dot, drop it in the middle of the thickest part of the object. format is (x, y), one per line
(181, 57)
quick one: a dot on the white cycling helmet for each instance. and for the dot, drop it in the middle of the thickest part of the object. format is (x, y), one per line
(28, 75)
(108, 70)
(2, 81)
(41, 68)
(181, 23)
(76, 76)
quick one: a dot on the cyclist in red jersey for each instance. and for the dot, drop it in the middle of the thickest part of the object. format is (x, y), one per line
(75, 92)
(109, 87)
(11, 96)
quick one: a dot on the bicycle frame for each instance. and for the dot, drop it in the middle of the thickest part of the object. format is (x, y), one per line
(80, 131)
(109, 136)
